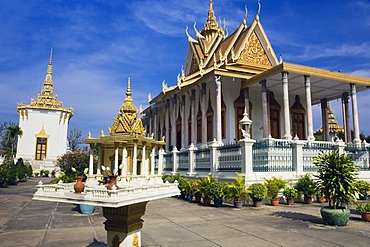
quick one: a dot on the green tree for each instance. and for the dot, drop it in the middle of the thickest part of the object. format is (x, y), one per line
(10, 135)
(74, 138)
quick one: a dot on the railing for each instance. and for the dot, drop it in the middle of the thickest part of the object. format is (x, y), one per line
(156, 157)
(167, 162)
(360, 155)
(230, 158)
(202, 160)
(183, 161)
(311, 150)
(272, 155)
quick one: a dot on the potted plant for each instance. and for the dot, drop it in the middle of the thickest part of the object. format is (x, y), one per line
(217, 192)
(204, 184)
(183, 185)
(363, 188)
(336, 175)
(191, 189)
(257, 192)
(79, 185)
(274, 185)
(290, 193)
(364, 210)
(307, 186)
(237, 191)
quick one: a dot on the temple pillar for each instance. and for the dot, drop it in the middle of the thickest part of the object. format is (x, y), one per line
(134, 160)
(155, 126)
(115, 169)
(100, 157)
(160, 161)
(218, 110)
(144, 162)
(124, 160)
(182, 112)
(345, 114)
(356, 126)
(150, 122)
(265, 115)
(152, 160)
(123, 224)
(193, 118)
(246, 101)
(307, 85)
(324, 117)
(91, 160)
(167, 125)
(286, 106)
(173, 121)
(203, 94)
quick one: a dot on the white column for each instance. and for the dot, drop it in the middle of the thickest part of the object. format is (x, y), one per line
(214, 157)
(167, 125)
(115, 159)
(193, 118)
(345, 113)
(152, 161)
(91, 160)
(182, 111)
(100, 158)
(134, 160)
(144, 163)
(174, 118)
(356, 126)
(155, 128)
(307, 85)
(150, 122)
(174, 159)
(160, 161)
(297, 155)
(124, 160)
(265, 115)
(287, 134)
(247, 157)
(191, 149)
(204, 113)
(218, 110)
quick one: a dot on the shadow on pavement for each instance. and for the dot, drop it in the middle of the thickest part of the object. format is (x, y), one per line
(300, 216)
(96, 243)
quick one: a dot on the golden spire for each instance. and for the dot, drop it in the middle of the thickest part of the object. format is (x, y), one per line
(211, 23)
(49, 72)
(334, 127)
(127, 120)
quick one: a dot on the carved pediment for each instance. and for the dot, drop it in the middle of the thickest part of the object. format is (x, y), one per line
(254, 53)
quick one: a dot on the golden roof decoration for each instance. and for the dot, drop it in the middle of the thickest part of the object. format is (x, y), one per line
(254, 53)
(127, 121)
(47, 99)
(334, 127)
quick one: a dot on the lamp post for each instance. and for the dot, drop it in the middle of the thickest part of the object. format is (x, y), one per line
(245, 125)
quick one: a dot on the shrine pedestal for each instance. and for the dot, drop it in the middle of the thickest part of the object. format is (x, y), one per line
(123, 225)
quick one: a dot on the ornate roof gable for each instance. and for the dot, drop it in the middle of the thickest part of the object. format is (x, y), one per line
(46, 99)
(127, 121)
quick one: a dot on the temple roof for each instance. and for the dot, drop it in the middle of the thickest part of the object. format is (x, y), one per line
(46, 99)
(334, 127)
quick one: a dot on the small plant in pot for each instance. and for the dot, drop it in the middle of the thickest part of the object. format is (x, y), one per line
(257, 192)
(217, 192)
(237, 191)
(336, 174)
(363, 188)
(364, 210)
(307, 186)
(274, 185)
(183, 184)
(204, 184)
(290, 193)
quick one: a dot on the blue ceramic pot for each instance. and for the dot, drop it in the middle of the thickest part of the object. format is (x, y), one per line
(86, 209)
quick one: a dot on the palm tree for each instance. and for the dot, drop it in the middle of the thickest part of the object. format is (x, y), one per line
(11, 137)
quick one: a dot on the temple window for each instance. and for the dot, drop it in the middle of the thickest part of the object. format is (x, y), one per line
(298, 119)
(210, 115)
(41, 146)
(274, 116)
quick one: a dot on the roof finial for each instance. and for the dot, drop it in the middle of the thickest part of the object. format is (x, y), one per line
(49, 73)
(245, 15)
(128, 91)
(259, 7)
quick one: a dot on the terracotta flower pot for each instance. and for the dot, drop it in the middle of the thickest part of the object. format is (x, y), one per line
(290, 201)
(79, 185)
(320, 199)
(307, 200)
(365, 216)
(275, 202)
(257, 203)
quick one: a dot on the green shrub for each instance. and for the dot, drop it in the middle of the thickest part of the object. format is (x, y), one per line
(363, 187)
(364, 207)
(274, 185)
(257, 191)
(306, 185)
(290, 192)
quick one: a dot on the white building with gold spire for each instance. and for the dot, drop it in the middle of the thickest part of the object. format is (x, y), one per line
(44, 123)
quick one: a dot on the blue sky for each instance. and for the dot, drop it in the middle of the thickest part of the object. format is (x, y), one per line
(99, 43)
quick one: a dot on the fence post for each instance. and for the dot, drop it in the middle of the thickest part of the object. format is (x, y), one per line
(297, 153)
(340, 145)
(174, 160)
(191, 150)
(214, 156)
(160, 161)
(246, 146)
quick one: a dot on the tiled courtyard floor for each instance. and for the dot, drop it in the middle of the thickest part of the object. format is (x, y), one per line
(172, 222)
